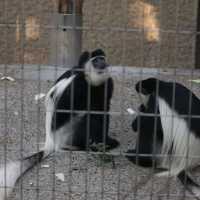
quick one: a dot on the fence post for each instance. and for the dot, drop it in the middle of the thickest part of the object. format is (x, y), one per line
(68, 34)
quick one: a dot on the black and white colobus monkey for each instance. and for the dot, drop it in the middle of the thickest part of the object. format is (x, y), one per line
(174, 132)
(70, 114)
(87, 87)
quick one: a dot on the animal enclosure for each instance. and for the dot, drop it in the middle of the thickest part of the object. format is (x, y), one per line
(91, 175)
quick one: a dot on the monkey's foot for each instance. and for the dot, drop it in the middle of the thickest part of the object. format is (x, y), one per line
(109, 159)
(103, 158)
(100, 147)
(110, 144)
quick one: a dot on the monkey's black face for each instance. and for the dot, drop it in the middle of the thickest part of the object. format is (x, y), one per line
(96, 68)
(139, 87)
(146, 87)
(99, 64)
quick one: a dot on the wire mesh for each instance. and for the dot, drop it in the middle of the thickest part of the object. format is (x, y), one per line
(89, 174)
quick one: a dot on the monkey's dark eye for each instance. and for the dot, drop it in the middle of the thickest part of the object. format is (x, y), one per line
(140, 88)
(98, 59)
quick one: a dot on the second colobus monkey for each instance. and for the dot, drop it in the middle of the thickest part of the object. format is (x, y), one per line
(77, 115)
(88, 90)
(169, 126)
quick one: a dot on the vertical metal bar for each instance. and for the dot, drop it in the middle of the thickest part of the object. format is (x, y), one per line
(54, 156)
(104, 141)
(170, 157)
(55, 31)
(157, 86)
(87, 188)
(140, 89)
(137, 154)
(122, 114)
(88, 113)
(38, 127)
(195, 51)
(5, 99)
(104, 113)
(72, 105)
(153, 156)
(189, 128)
(156, 112)
(38, 131)
(22, 93)
(197, 48)
(71, 142)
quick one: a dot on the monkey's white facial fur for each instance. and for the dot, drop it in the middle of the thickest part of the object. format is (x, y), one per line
(96, 75)
(144, 99)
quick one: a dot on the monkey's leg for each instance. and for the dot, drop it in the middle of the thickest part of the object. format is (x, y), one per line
(103, 157)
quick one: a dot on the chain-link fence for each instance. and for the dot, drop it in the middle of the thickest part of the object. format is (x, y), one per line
(162, 131)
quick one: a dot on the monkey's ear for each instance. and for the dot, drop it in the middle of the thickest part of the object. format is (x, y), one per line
(147, 86)
(85, 56)
(98, 52)
(142, 108)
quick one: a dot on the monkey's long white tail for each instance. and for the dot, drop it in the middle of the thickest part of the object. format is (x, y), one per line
(180, 145)
(13, 170)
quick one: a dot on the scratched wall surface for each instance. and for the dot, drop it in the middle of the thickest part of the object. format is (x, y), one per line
(166, 41)
(144, 33)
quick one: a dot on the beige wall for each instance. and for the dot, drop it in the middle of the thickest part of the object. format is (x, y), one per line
(110, 24)
(31, 40)
(134, 47)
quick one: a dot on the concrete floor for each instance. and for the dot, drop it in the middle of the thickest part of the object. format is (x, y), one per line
(22, 127)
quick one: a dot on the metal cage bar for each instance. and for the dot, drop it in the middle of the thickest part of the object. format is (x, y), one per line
(126, 180)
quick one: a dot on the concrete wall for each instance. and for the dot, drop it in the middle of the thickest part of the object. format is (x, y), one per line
(125, 41)
(113, 25)
(23, 30)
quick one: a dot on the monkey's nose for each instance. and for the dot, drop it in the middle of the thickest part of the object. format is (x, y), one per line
(102, 66)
